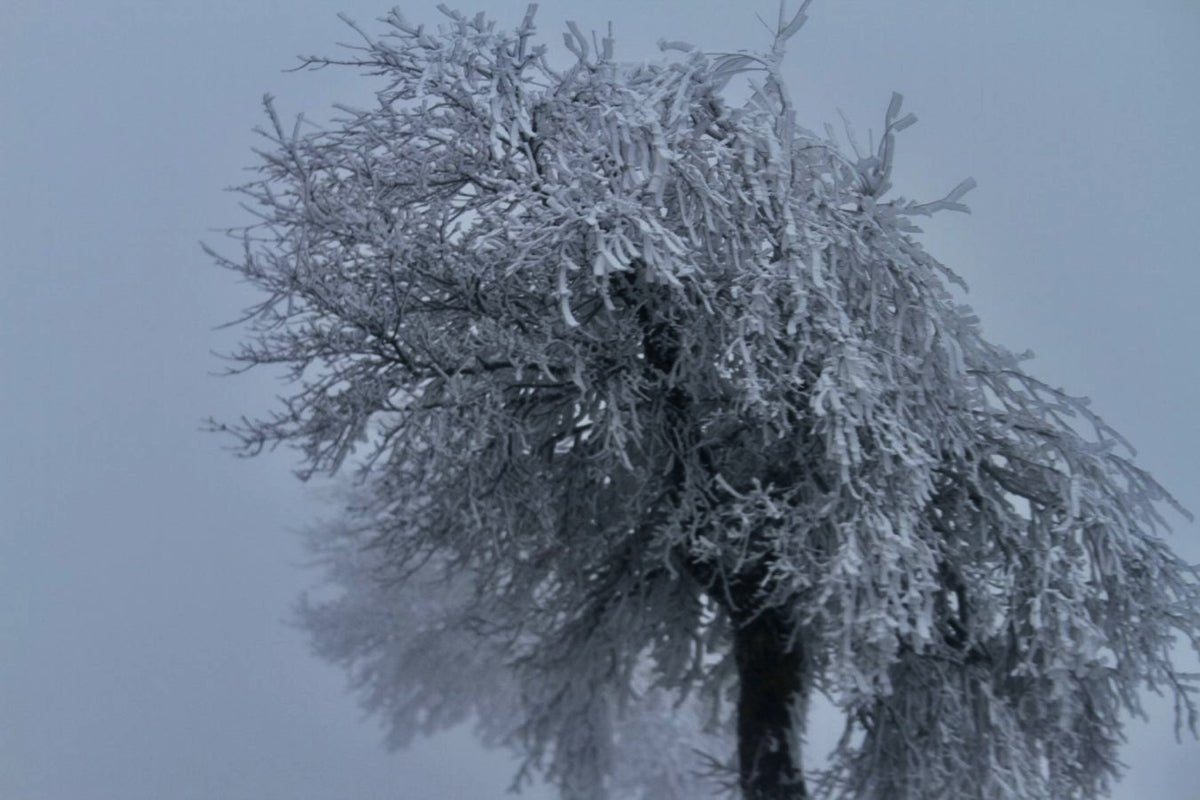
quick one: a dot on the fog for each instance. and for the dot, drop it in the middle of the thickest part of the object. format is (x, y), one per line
(147, 576)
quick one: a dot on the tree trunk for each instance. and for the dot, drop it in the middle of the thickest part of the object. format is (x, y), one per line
(770, 667)
(770, 678)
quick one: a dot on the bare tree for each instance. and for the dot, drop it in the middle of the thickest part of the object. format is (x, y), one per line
(650, 396)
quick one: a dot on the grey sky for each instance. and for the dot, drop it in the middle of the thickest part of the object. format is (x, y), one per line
(145, 574)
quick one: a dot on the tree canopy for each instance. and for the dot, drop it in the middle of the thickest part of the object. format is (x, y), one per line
(652, 396)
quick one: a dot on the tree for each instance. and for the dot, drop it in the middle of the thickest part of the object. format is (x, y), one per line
(651, 396)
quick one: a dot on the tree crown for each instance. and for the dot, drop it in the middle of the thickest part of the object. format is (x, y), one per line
(622, 364)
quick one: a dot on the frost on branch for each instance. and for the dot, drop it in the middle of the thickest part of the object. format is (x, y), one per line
(636, 382)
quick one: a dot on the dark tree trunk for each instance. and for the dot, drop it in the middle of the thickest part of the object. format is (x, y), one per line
(770, 678)
(770, 666)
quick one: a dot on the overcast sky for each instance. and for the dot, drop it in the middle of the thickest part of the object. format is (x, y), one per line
(146, 575)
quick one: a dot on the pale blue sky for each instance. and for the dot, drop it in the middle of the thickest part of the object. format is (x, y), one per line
(145, 574)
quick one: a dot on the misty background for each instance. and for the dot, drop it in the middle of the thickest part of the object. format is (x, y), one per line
(147, 577)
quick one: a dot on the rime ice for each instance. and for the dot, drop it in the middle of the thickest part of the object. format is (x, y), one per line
(649, 394)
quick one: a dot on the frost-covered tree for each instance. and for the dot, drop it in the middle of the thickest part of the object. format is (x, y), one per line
(651, 397)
